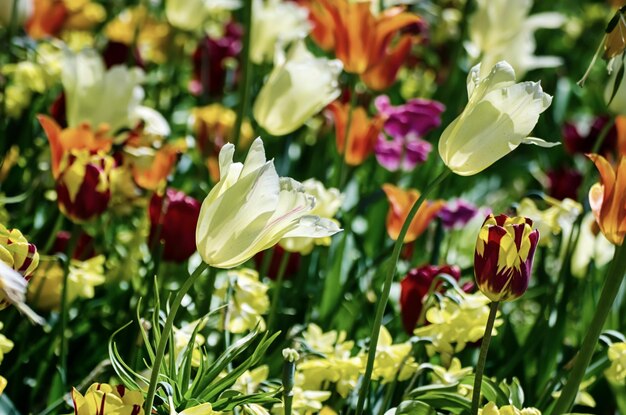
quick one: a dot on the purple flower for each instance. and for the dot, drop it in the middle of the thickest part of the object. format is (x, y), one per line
(406, 125)
(414, 119)
(400, 153)
(457, 213)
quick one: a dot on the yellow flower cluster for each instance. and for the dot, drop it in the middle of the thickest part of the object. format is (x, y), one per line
(335, 364)
(616, 374)
(558, 217)
(5, 347)
(492, 409)
(247, 300)
(456, 322)
(44, 290)
(136, 26)
(29, 77)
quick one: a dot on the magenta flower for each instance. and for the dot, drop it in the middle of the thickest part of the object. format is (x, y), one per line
(406, 125)
(457, 213)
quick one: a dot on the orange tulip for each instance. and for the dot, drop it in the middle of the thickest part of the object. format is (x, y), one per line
(51, 17)
(608, 198)
(150, 168)
(78, 138)
(362, 133)
(620, 125)
(400, 203)
(362, 40)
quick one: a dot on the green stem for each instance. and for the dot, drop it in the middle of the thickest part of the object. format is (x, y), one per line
(165, 335)
(341, 172)
(607, 297)
(382, 301)
(277, 288)
(246, 72)
(64, 305)
(482, 358)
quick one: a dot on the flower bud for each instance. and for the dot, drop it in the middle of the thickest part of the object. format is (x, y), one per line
(174, 217)
(298, 87)
(504, 256)
(83, 185)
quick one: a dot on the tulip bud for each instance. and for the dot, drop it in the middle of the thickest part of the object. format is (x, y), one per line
(174, 217)
(504, 256)
(498, 118)
(83, 185)
(298, 87)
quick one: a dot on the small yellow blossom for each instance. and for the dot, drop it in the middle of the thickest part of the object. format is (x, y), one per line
(454, 323)
(392, 360)
(337, 366)
(247, 301)
(616, 374)
(44, 290)
(492, 409)
(152, 36)
(182, 338)
(559, 217)
(583, 397)
(453, 374)
(5, 344)
(305, 401)
(327, 203)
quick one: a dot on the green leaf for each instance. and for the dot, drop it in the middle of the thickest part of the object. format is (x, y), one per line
(490, 390)
(449, 401)
(415, 408)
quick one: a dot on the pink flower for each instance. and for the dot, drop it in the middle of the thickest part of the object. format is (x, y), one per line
(406, 125)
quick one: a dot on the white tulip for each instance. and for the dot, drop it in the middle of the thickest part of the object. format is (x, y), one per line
(299, 86)
(275, 22)
(497, 119)
(99, 96)
(250, 209)
(502, 30)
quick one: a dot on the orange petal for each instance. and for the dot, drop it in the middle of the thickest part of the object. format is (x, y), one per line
(620, 124)
(53, 132)
(353, 34)
(391, 21)
(607, 174)
(383, 74)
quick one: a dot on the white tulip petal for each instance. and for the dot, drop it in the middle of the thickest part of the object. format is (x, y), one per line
(539, 142)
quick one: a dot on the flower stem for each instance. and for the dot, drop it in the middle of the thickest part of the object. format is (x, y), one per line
(64, 305)
(382, 301)
(607, 297)
(246, 72)
(482, 357)
(165, 335)
(277, 287)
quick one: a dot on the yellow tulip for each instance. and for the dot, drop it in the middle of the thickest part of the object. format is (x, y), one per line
(102, 398)
(298, 87)
(497, 119)
(250, 209)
